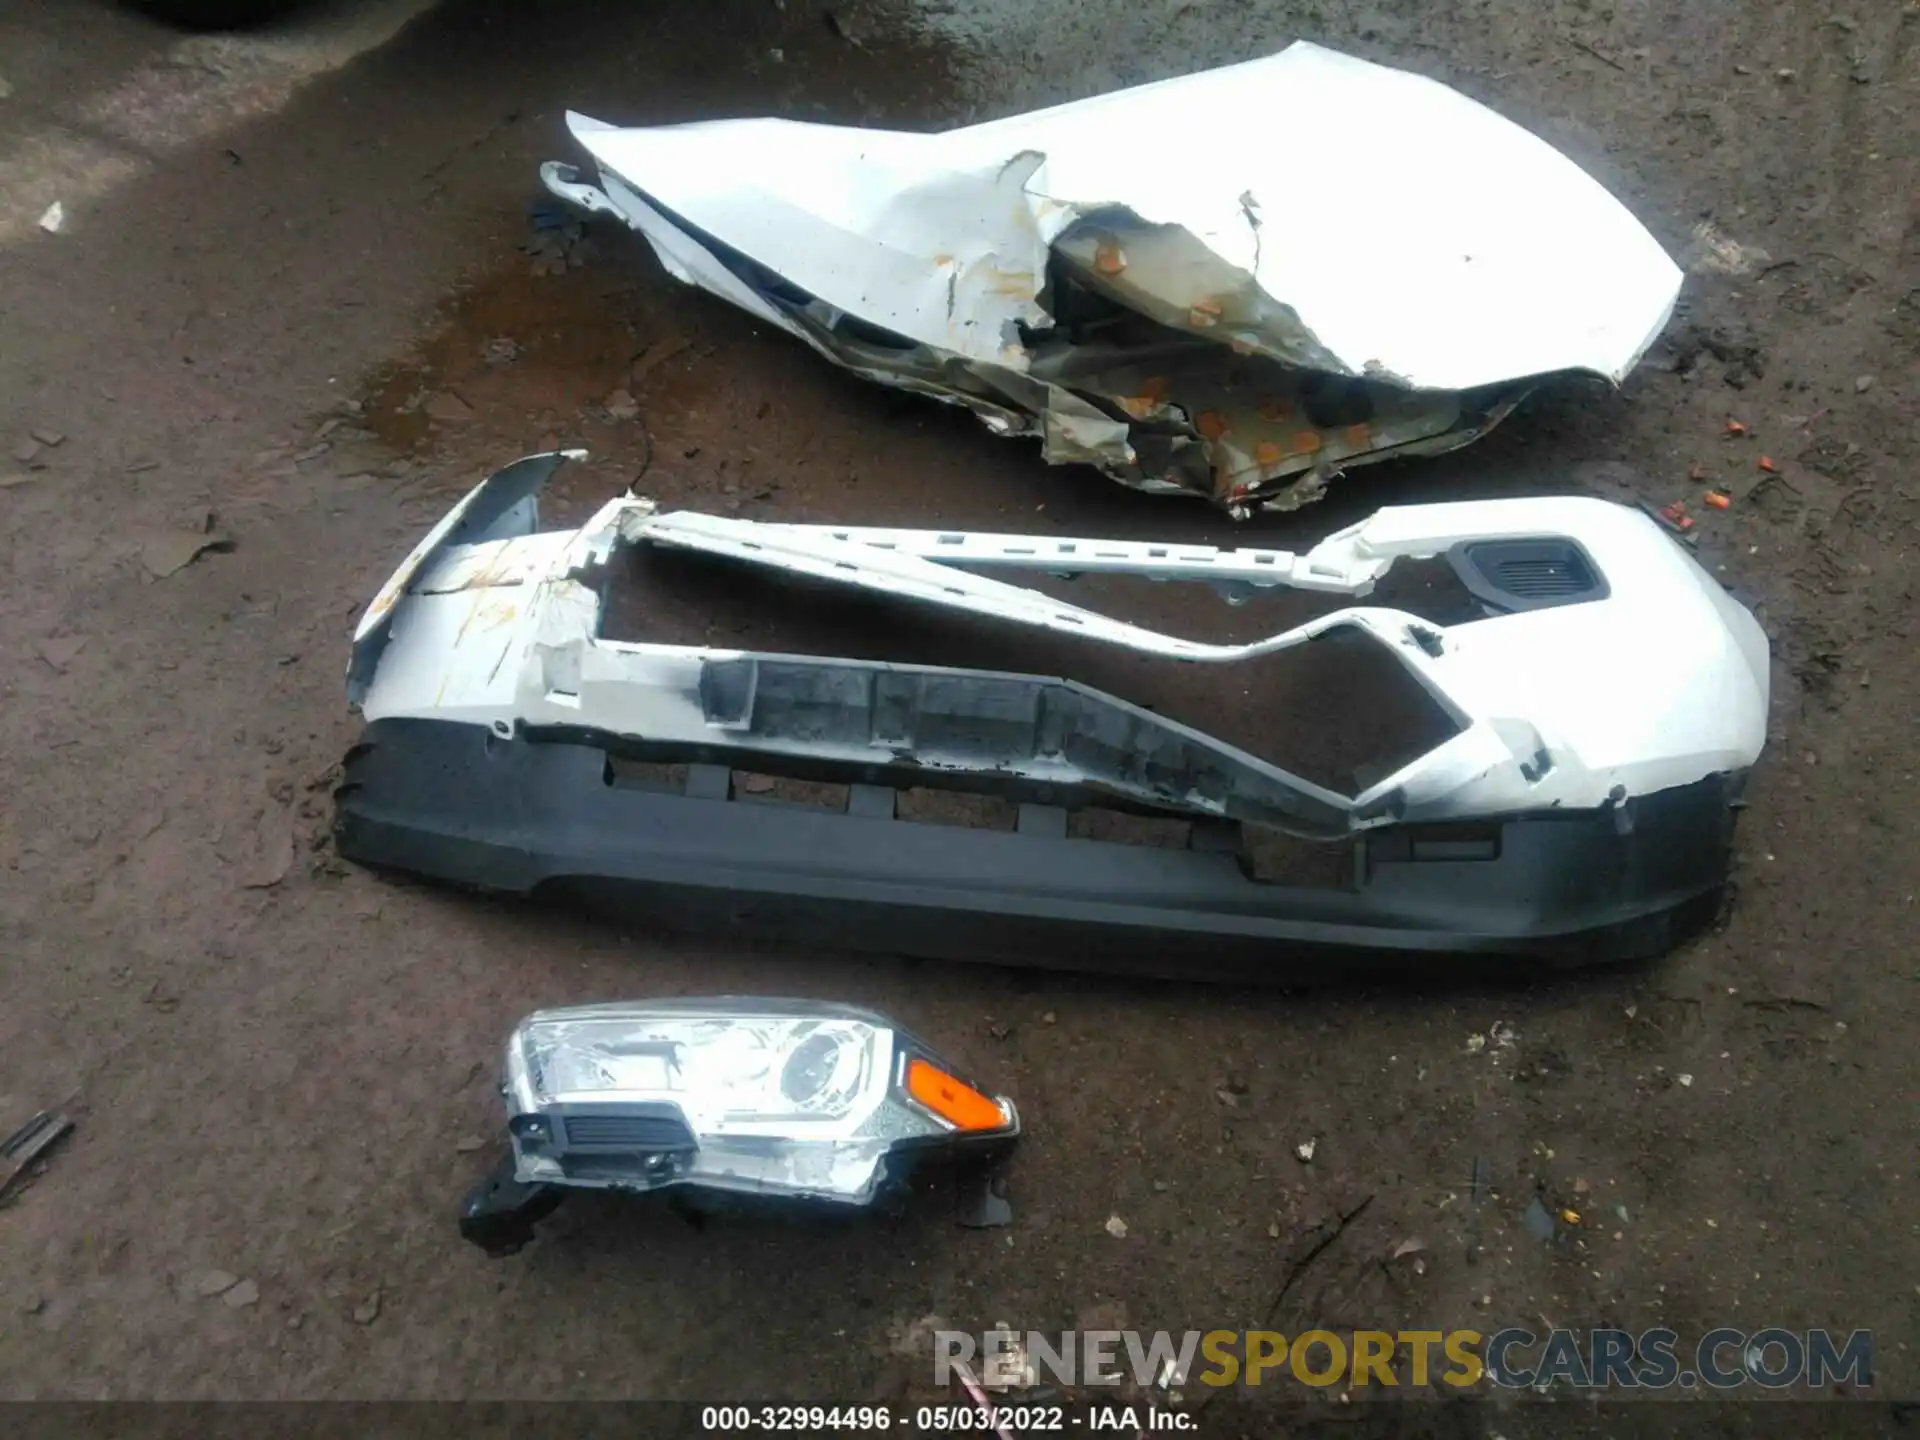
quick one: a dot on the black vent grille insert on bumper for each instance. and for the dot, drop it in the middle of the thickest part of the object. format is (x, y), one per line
(627, 1133)
(1507, 576)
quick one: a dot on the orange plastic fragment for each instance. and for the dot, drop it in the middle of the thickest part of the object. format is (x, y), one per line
(951, 1098)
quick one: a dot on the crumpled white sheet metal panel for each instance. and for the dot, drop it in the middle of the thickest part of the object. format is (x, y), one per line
(1415, 235)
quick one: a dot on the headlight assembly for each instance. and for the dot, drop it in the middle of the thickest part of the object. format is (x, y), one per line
(797, 1099)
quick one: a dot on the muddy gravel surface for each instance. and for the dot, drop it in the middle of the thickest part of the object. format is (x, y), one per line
(296, 305)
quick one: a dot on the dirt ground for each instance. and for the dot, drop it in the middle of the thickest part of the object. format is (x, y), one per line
(250, 323)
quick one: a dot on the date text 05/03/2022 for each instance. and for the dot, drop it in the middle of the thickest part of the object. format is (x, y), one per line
(943, 1419)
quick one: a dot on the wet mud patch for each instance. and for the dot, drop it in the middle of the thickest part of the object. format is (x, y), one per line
(573, 335)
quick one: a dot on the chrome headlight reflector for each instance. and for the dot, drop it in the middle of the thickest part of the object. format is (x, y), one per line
(796, 1098)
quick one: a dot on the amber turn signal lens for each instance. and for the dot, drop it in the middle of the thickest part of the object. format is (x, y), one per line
(952, 1099)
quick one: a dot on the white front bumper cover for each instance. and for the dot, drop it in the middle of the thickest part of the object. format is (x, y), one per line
(1630, 682)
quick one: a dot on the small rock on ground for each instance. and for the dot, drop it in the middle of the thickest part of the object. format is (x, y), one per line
(212, 1282)
(167, 550)
(59, 650)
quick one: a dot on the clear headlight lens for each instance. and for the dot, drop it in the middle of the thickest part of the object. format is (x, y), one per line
(791, 1097)
(728, 1074)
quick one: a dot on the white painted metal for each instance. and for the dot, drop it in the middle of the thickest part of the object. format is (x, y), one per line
(1453, 249)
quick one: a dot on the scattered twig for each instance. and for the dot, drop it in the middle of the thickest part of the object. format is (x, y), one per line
(646, 459)
(27, 1144)
(1784, 1002)
(1331, 1230)
(1295, 1271)
(979, 1395)
(1604, 59)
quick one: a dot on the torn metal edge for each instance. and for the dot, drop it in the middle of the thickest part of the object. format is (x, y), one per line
(947, 265)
